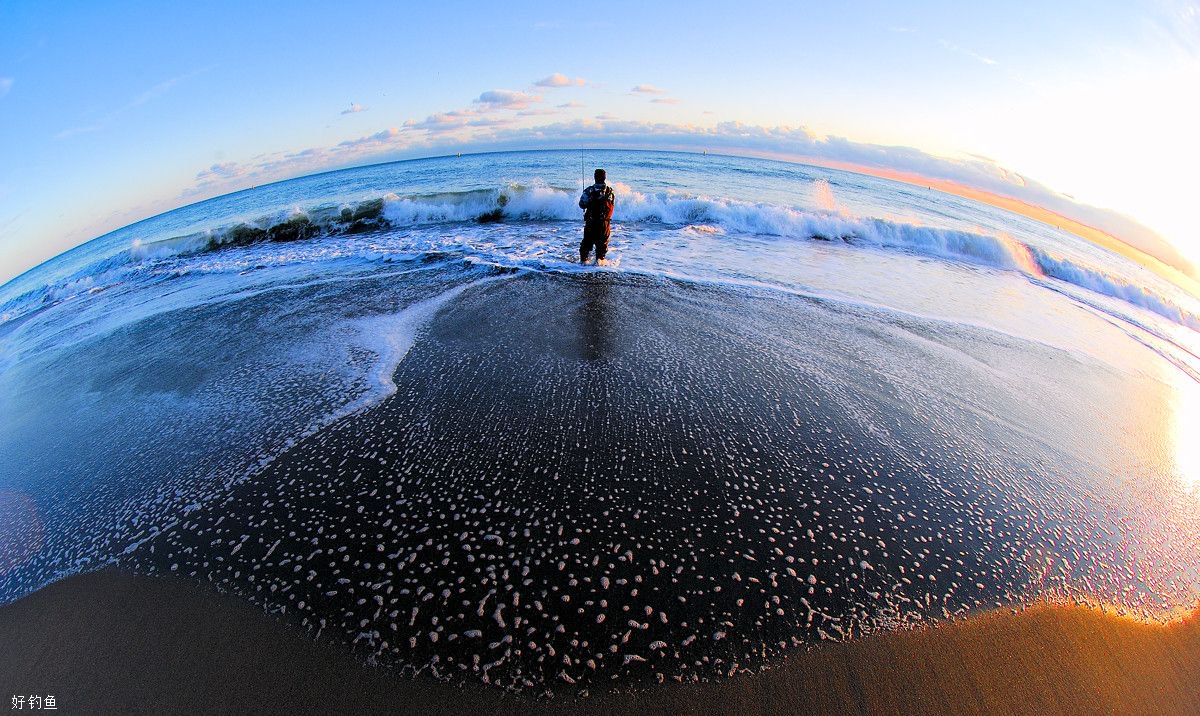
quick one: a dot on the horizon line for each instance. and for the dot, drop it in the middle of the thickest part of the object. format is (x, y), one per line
(1096, 236)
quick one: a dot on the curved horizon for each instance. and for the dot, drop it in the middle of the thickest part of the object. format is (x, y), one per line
(1170, 266)
(97, 138)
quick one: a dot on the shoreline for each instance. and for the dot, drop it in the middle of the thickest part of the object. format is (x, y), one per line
(114, 641)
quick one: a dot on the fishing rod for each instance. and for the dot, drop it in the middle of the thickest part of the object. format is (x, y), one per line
(582, 172)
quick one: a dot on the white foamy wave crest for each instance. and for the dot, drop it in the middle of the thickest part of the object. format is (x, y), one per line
(727, 216)
(174, 246)
(536, 202)
(696, 216)
(988, 250)
(539, 202)
(408, 211)
(983, 249)
(1107, 285)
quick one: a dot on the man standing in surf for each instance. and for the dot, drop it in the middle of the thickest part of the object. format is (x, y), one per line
(597, 202)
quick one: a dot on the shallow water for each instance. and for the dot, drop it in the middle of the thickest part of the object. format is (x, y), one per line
(799, 405)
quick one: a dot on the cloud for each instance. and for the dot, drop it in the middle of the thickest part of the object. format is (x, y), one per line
(443, 122)
(6, 84)
(800, 144)
(156, 91)
(968, 53)
(381, 136)
(456, 116)
(492, 121)
(652, 90)
(570, 105)
(224, 170)
(355, 108)
(1178, 23)
(560, 80)
(507, 99)
(481, 129)
(463, 128)
(389, 133)
(73, 131)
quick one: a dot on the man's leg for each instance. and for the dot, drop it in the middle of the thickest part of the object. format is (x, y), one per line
(585, 246)
(602, 245)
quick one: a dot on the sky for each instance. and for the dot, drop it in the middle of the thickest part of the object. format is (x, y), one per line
(113, 112)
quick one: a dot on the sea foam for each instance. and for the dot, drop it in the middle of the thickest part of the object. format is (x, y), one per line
(540, 202)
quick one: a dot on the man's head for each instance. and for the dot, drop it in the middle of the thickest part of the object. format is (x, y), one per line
(600, 176)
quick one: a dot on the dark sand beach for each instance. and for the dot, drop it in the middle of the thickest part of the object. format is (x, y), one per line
(109, 642)
(622, 495)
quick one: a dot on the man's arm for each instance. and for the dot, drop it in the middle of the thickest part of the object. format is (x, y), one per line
(583, 199)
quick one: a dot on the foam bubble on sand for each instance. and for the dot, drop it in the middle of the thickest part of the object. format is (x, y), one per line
(392, 336)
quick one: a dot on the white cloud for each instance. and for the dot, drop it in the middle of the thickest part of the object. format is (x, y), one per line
(224, 170)
(801, 144)
(648, 89)
(389, 133)
(156, 91)
(507, 99)
(560, 80)
(968, 53)
(355, 108)
(480, 129)
(381, 136)
(1178, 22)
(455, 120)
(665, 100)
(73, 131)
(6, 84)
(570, 105)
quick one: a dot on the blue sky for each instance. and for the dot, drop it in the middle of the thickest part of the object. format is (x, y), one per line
(110, 112)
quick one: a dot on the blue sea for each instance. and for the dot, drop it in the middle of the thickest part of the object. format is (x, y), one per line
(796, 404)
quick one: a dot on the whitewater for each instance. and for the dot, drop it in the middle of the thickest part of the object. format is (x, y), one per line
(660, 218)
(936, 406)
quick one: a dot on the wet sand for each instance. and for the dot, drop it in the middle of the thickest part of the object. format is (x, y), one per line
(587, 481)
(589, 484)
(114, 642)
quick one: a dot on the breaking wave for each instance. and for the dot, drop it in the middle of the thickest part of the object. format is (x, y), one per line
(696, 216)
(1107, 285)
(540, 203)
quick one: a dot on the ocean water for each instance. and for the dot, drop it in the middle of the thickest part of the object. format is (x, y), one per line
(798, 404)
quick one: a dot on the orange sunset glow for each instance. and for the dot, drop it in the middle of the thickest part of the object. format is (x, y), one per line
(1046, 216)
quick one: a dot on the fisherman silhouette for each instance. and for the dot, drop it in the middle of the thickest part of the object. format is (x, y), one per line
(597, 202)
